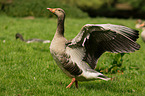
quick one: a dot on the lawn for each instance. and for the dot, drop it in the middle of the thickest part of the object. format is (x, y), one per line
(29, 69)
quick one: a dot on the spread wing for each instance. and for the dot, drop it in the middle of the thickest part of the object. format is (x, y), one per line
(98, 38)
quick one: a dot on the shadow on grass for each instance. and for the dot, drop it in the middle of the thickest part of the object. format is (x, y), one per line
(102, 86)
(109, 87)
(95, 85)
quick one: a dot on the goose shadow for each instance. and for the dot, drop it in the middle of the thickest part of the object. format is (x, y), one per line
(102, 86)
(94, 85)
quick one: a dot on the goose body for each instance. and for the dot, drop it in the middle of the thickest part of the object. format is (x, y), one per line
(78, 58)
(31, 40)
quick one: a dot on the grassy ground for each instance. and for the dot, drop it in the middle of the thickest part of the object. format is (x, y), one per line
(29, 69)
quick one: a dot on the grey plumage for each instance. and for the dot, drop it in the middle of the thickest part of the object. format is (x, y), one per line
(98, 38)
(78, 57)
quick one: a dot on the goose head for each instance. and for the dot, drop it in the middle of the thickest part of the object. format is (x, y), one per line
(19, 36)
(57, 11)
(139, 21)
(142, 25)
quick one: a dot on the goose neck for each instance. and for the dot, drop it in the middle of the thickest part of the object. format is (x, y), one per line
(60, 27)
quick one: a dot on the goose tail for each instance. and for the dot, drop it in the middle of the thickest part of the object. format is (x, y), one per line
(103, 77)
(94, 75)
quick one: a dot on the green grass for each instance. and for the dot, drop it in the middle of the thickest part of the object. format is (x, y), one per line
(29, 69)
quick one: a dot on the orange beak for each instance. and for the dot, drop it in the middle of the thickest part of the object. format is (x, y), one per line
(142, 24)
(52, 10)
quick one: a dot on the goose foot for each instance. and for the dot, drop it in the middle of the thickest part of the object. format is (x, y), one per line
(73, 80)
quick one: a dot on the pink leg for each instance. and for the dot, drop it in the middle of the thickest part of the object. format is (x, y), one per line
(73, 80)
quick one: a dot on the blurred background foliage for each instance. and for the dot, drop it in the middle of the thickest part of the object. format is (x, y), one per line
(75, 8)
(37, 8)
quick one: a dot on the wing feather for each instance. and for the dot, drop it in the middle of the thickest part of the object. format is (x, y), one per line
(98, 38)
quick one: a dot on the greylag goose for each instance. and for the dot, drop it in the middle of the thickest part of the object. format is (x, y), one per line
(143, 31)
(31, 40)
(138, 23)
(78, 57)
